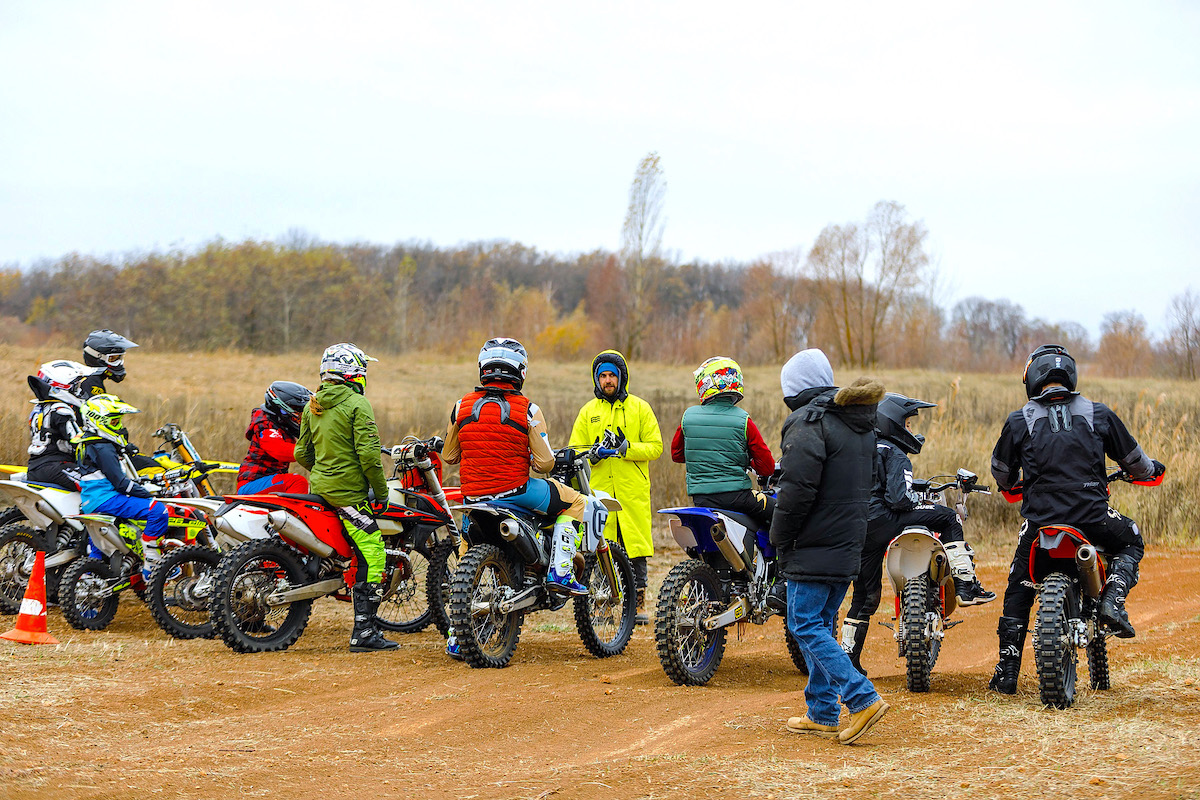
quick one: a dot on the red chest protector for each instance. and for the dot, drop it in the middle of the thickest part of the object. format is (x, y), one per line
(493, 431)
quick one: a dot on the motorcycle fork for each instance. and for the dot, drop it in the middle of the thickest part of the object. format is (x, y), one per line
(605, 560)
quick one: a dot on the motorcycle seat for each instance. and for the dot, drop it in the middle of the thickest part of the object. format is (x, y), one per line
(307, 498)
(740, 518)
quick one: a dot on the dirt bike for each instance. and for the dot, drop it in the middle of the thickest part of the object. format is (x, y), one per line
(727, 579)
(262, 589)
(1069, 572)
(918, 567)
(42, 517)
(502, 575)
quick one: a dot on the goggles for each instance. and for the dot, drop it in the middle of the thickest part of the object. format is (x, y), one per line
(111, 359)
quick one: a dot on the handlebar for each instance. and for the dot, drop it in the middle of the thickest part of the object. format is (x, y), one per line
(1014, 494)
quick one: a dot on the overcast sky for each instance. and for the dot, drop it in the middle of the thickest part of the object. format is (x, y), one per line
(1052, 149)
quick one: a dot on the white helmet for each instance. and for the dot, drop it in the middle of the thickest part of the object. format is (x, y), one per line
(503, 359)
(61, 381)
(345, 363)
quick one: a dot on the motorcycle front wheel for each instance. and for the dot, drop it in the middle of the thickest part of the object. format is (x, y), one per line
(1054, 649)
(920, 602)
(405, 607)
(486, 636)
(85, 594)
(606, 616)
(1097, 656)
(245, 577)
(689, 654)
(179, 591)
(443, 561)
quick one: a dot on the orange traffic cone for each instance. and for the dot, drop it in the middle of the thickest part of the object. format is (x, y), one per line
(31, 622)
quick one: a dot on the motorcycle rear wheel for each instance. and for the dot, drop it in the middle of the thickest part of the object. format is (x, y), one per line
(605, 623)
(180, 589)
(19, 543)
(85, 599)
(1097, 657)
(919, 597)
(245, 576)
(793, 648)
(689, 654)
(486, 637)
(406, 609)
(1053, 650)
(443, 560)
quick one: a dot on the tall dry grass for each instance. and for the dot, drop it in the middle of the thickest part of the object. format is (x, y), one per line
(211, 394)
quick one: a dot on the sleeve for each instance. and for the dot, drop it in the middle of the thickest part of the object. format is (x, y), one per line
(451, 448)
(579, 431)
(803, 464)
(539, 441)
(646, 444)
(273, 443)
(106, 458)
(65, 424)
(366, 443)
(1006, 457)
(898, 476)
(1122, 448)
(677, 446)
(762, 460)
(303, 451)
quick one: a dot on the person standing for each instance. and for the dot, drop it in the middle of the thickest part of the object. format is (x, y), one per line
(625, 471)
(819, 527)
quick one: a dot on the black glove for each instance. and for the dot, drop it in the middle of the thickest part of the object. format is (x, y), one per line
(436, 443)
(622, 444)
(1160, 468)
(132, 449)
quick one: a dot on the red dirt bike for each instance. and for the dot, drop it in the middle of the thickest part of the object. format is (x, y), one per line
(1069, 572)
(262, 590)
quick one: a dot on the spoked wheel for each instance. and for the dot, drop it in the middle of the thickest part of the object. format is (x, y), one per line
(86, 594)
(179, 591)
(1097, 656)
(486, 636)
(18, 551)
(689, 654)
(793, 648)
(1054, 648)
(405, 606)
(245, 577)
(443, 560)
(606, 616)
(920, 602)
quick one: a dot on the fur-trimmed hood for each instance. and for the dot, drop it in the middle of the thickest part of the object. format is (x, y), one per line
(863, 392)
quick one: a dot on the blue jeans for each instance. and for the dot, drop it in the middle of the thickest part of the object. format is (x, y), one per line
(812, 612)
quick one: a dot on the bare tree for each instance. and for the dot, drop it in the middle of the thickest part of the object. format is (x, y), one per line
(1125, 350)
(1183, 338)
(641, 259)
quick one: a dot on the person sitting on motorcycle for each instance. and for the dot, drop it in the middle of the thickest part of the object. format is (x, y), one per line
(105, 485)
(104, 353)
(894, 507)
(495, 434)
(53, 423)
(1054, 449)
(272, 434)
(339, 445)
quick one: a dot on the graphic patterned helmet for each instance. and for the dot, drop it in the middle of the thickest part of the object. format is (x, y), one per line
(284, 402)
(893, 410)
(61, 380)
(719, 375)
(1050, 363)
(102, 415)
(345, 363)
(103, 348)
(503, 359)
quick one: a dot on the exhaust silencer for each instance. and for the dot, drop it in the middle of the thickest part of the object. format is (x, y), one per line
(1089, 570)
(512, 532)
(298, 532)
(738, 559)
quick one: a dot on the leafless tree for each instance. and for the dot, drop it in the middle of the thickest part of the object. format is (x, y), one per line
(641, 256)
(1183, 338)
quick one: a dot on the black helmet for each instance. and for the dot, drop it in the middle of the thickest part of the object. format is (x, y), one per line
(1050, 363)
(889, 420)
(503, 359)
(106, 349)
(284, 402)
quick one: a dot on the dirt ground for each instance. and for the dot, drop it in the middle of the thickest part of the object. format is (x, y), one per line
(129, 712)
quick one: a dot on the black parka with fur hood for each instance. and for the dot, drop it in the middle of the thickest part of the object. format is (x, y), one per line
(827, 465)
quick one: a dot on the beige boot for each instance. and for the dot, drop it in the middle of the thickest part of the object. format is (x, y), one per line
(862, 721)
(806, 725)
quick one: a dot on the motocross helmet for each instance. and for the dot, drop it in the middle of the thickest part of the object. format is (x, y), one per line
(103, 348)
(283, 403)
(1050, 363)
(59, 380)
(890, 418)
(345, 363)
(503, 359)
(102, 415)
(719, 375)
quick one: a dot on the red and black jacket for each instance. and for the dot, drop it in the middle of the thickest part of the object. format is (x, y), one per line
(271, 449)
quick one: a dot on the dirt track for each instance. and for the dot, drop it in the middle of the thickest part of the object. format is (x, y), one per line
(129, 712)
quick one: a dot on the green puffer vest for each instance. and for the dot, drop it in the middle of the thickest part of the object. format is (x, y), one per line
(714, 447)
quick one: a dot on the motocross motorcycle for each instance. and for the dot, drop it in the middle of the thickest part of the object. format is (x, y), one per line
(42, 517)
(502, 575)
(918, 567)
(262, 589)
(726, 579)
(1069, 572)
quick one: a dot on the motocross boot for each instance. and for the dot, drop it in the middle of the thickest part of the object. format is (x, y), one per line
(962, 566)
(453, 649)
(1012, 641)
(151, 555)
(642, 617)
(560, 578)
(854, 636)
(365, 637)
(1122, 576)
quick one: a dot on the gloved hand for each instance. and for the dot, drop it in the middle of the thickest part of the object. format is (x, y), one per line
(436, 443)
(132, 449)
(622, 444)
(1159, 468)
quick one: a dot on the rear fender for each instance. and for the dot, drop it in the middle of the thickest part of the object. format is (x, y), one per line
(1054, 551)
(692, 527)
(916, 552)
(43, 506)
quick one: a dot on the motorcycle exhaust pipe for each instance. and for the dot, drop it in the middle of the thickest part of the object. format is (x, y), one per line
(522, 542)
(299, 533)
(740, 561)
(1089, 570)
(224, 526)
(49, 511)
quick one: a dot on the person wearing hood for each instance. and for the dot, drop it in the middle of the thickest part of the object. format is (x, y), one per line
(624, 471)
(819, 526)
(272, 434)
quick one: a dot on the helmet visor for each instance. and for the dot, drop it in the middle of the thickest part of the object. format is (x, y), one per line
(111, 359)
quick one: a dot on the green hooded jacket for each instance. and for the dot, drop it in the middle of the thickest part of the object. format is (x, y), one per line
(339, 445)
